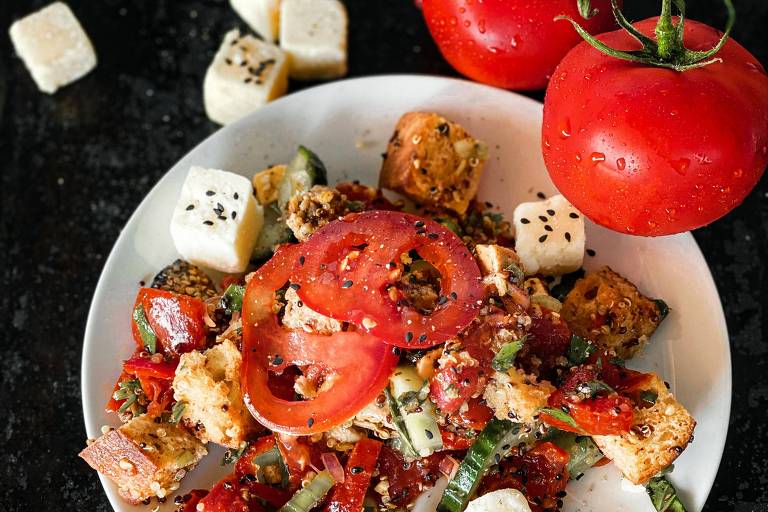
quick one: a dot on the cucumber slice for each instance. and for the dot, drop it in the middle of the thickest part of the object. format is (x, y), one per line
(304, 171)
(274, 232)
(417, 411)
(309, 497)
(402, 442)
(492, 444)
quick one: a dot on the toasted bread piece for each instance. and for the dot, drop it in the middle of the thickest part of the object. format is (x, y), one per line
(516, 395)
(209, 385)
(144, 458)
(313, 209)
(267, 182)
(495, 263)
(300, 317)
(433, 161)
(659, 435)
(609, 310)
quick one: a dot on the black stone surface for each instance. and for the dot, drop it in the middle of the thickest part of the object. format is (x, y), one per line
(74, 166)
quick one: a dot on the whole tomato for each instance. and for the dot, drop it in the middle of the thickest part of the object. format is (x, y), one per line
(653, 151)
(514, 44)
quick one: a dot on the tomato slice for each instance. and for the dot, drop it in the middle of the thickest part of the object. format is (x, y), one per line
(177, 320)
(453, 441)
(356, 365)
(349, 266)
(407, 479)
(349, 495)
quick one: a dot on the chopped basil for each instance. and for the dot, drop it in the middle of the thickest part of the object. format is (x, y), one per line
(649, 396)
(450, 224)
(663, 309)
(148, 337)
(232, 300)
(177, 411)
(564, 287)
(516, 274)
(580, 350)
(128, 390)
(355, 206)
(231, 455)
(592, 388)
(505, 358)
(664, 496)
(561, 415)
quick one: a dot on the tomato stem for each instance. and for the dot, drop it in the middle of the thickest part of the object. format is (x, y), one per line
(668, 50)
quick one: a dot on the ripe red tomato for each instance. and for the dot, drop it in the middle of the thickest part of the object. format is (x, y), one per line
(357, 365)
(177, 320)
(514, 44)
(651, 151)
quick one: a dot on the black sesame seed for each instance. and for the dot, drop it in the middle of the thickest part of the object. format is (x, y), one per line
(542, 218)
(228, 61)
(234, 214)
(429, 434)
(421, 231)
(454, 295)
(573, 215)
(222, 217)
(423, 171)
(551, 213)
(277, 360)
(295, 286)
(396, 351)
(525, 221)
(419, 223)
(408, 336)
(433, 236)
(548, 228)
(442, 300)
(422, 338)
(236, 196)
(190, 207)
(497, 458)
(210, 193)
(208, 222)
(347, 284)
(248, 80)
(302, 259)
(443, 128)
(591, 252)
(541, 195)
(542, 239)
(310, 422)
(568, 236)
(356, 470)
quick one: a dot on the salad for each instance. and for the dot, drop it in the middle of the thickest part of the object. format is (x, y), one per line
(359, 351)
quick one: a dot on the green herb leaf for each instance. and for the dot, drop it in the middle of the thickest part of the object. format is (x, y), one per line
(561, 415)
(231, 455)
(450, 224)
(505, 358)
(177, 411)
(663, 308)
(664, 496)
(128, 391)
(592, 388)
(649, 396)
(516, 274)
(148, 336)
(580, 350)
(232, 300)
(561, 290)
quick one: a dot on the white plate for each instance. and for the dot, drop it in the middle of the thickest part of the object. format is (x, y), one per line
(348, 124)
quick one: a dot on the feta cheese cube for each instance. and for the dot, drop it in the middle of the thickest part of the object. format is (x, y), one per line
(263, 16)
(549, 236)
(314, 34)
(53, 46)
(245, 74)
(216, 220)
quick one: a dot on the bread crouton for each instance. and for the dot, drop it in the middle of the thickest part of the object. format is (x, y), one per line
(313, 209)
(433, 161)
(516, 395)
(659, 435)
(609, 310)
(376, 417)
(300, 317)
(498, 265)
(209, 385)
(266, 183)
(144, 458)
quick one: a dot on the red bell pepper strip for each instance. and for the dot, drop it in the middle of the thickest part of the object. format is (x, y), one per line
(349, 495)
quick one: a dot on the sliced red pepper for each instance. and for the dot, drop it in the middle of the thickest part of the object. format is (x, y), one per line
(177, 320)
(351, 264)
(299, 455)
(245, 465)
(145, 367)
(356, 365)
(349, 495)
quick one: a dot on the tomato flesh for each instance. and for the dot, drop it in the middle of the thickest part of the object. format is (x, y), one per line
(177, 321)
(651, 151)
(514, 44)
(349, 495)
(406, 479)
(351, 264)
(356, 365)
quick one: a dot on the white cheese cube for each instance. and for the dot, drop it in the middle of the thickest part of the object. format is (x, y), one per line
(314, 34)
(245, 74)
(549, 236)
(216, 220)
(263, 16)
(53, 46)
(502, 500)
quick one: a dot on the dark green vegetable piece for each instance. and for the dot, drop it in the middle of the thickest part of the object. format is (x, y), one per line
(580, 350)
(402, 442)
(564, 287)
(583, 452)
(663, 308)
(494, 442)
(177, 411)
(505, 357)
(664, 496)
(128, 391)
(232, 300)
(148, 336)
(232, 454)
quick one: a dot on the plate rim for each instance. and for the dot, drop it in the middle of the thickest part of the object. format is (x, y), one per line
(100, 292)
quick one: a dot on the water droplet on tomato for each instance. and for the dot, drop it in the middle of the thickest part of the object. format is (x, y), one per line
(494, 50)
(651, 224)
(546, 143)
(515, 41)
(462, 10)
(725, 190)
(565, 128)
(754, 67)
(621, 164)
(680, 166)
(467, 23)
(597, 157)
(452, 21)
(578, 157)
(738, 173)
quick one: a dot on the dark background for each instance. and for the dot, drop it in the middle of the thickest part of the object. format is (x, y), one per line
(75, 165)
